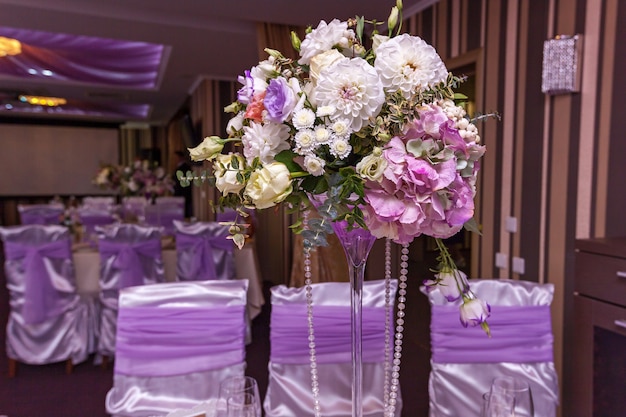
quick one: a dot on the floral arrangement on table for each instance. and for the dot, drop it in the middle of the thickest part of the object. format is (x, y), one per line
(377, 131)
(142, 178)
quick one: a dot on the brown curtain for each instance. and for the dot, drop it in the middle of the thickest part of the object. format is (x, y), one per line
(277, 37)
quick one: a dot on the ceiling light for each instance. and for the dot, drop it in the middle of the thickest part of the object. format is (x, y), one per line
(9, 46)
(42, 100)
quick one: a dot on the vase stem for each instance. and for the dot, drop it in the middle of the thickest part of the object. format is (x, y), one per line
(357, 244)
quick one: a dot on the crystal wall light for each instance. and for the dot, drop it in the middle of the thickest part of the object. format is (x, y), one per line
(562, 65)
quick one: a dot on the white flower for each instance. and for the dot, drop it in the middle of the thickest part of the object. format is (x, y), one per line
(372, 166)
(305, 140)
(323, 111)
(314, 165)
(210, 147)
(408, 64)
(235, 124)
(322, 39)
(353, 87)
(340, 148)
(341, 127)
(474, 312)
(225, 175)
(269, 185)
(321, 61)
(303, 119)
(322, 135)
(264, 141)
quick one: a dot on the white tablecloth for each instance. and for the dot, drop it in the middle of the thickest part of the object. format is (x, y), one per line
(87, 267)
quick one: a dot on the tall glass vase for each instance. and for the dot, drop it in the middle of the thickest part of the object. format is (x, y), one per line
(357, 244)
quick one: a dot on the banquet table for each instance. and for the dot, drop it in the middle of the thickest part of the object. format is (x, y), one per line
(87, 268)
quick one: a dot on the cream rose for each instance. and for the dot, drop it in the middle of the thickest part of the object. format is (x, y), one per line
(372, 166)
(269, 185)
(210, 147)
(225, 175)
(323, 60)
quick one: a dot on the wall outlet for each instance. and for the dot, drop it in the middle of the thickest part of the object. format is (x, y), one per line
(502, 260)
(518, 265)
(511, 224)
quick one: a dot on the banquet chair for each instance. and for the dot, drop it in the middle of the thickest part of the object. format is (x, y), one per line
(130, 255)
(289, 385)
(203, 251)
(92, 216)
(40, 213)
(133, 208)
(48, 320)
(164, 214)
(175, 343)
(99, 202)
(465, 361)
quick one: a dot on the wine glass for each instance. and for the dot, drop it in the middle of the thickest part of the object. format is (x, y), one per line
(497, 404)
(242, 404)
(521, 391)
(234, 385)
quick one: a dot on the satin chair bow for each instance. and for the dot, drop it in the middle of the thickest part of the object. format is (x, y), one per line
(203, 247)
(41, 299)
(127, 258)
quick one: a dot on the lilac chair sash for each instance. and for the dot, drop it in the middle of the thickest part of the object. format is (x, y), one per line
(289, 334)
(127, 258)
(40, 296)
(202, 262)
(166, 341)
(518, 335)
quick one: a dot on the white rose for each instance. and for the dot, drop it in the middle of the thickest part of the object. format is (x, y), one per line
(377, 41)
(235, 124)
(269, 185)
(210, 147)
(323, 60)
(225, 175)
(372, 166)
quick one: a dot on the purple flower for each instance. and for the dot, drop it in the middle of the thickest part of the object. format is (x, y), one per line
(280, 100)
(474, 312)
(245, 93)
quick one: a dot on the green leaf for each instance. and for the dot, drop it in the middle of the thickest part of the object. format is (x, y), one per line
(287, 157)
(472, 225)
(360, 24)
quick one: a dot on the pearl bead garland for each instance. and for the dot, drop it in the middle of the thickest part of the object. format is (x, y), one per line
(392, 379)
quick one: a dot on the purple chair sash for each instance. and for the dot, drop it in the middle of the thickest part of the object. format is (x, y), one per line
(202, 263)
(518, 334)
(127, 258)
(41, 299)
(163, 341)
(289, 334)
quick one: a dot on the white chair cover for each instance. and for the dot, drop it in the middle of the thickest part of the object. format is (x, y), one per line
(129, 255)
(41, 213)
(92, 216)
(176, 342)
(133, 208)
(465, 361)
(99, 202)
(164, 214)
(289, 386)
(48, 321)
(203, 252)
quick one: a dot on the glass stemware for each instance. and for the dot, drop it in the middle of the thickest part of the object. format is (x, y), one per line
(242, 404)
(497, 404)
(231, 387)
(521, 391)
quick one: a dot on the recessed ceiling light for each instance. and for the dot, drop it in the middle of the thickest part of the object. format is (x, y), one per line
(47, 73)
(42, 100)
(32, 71)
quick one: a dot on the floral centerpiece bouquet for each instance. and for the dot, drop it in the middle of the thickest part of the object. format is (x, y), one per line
(377, 131)
(142, 178)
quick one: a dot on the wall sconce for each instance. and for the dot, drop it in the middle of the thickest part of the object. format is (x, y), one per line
(9, 46)
(561, 65)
